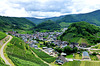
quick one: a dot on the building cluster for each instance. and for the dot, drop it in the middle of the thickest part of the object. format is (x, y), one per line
(51, 37)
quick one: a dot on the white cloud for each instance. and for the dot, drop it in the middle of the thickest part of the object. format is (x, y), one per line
(46, 8)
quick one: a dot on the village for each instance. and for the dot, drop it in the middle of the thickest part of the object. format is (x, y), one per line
(48, 42)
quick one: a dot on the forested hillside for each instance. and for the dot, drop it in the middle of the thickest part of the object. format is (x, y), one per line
(81, 30)
(48, 25)
(14, 23)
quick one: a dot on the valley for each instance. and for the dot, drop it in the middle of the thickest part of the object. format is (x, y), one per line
(48, 47)
(58, 41)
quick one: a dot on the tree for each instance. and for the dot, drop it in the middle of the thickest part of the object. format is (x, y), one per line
(67, 50)
(75, 49)
(58, 50)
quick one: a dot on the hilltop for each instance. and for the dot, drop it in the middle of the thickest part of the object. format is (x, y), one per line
(81, 30)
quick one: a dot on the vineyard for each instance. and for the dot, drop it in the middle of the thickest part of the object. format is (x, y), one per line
(43, 55)
(20, 54)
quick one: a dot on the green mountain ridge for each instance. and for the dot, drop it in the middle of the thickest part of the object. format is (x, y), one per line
(14, 23)
(92, 18)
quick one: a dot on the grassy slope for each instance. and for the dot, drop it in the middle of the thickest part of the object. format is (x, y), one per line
(21, 55)
(71, 38)
(81, 40)
(2, 35)
(63, 24)
(43, 55)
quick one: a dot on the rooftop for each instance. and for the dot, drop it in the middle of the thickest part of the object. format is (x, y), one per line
(85, 53)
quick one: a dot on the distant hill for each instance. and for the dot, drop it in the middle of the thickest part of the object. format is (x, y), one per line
(38, 21)
(48, 25)
(81, 31)
(34, 20)
(14, 23)
(65, 20)
(92, 18)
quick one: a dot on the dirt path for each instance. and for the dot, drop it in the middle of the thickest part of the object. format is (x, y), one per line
(40, 58)
(1, 51)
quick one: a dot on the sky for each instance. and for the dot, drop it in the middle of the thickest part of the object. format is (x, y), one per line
(46, 8)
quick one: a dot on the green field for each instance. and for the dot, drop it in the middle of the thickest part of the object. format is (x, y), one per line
(70, 56)
(78, 56)
(2, 35)
(44, 56)
(20, 54)
(82, 63)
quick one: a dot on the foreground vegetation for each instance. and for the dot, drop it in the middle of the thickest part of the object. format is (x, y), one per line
(68, 50)
(43, 55)
(2, 63)
(97, 47)
(21, 55)
(2, 35)
(82, 63)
